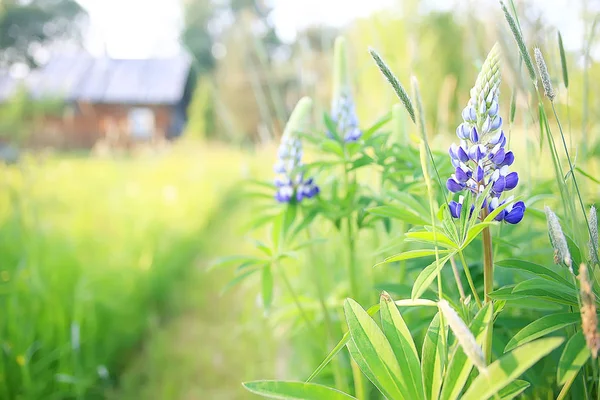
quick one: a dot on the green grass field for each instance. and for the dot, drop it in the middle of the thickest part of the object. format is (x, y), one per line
(91, 253)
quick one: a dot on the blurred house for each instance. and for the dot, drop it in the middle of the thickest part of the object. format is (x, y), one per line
(115, 100)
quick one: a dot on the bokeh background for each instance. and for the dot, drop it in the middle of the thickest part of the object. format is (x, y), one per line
(126, 127)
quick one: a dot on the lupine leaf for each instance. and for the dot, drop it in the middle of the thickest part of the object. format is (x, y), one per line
(402, 343)
(549, 290)
(513, 390)
(474, 231)
(536, 269)
(367, 133)
(401, 214)
(409, 255)
(509, 367)
(375, 355)
(237, 280)
(460, 366)
(542, 327)
(428, 275)
(371, 311)
(432, 363)
(295, 390)
(438, 238)
(267, 287)
(574, 356)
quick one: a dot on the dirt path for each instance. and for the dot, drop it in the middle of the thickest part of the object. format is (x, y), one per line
(210, 343)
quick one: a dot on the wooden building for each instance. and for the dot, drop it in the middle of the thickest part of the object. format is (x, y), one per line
(115, 100)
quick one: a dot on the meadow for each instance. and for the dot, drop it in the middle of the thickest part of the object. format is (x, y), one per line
(383, 248)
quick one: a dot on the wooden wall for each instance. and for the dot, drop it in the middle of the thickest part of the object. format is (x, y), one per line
(82, 125)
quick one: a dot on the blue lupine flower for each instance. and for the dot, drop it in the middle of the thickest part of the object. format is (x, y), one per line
(290, 181)
(343, 114)
(480, 159)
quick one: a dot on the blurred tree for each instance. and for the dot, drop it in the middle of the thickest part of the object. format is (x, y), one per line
(25, 27)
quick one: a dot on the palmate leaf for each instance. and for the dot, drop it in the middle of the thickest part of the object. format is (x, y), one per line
(542, 327)
(428, 275)
(509, 367)
(372, 352)
(409, 255)
(548, 290)
(295, 390)
(433, 359)
(427, 237)
(460, 366)
(398, 213)
(402, 343)
(536, 269)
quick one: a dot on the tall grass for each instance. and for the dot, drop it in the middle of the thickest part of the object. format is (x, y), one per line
(89, 252)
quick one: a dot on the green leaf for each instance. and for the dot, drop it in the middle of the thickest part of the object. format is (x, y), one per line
(573, 357)
(378, 124)
(460, 366)
(474, 231)
(509, 367)
(432, 364)
(295, 391)
(345, 339)
(542, 327)
(549, 290)
(409, 255)
(536, 269)
(330, 356)
(267, 287)
(229, 260)
(438, 238)
(402, 343)
(288, 218)
(374, 354)
(427, 276)
(237, 280)
(331, 146)
(513, 389)
(402, 214)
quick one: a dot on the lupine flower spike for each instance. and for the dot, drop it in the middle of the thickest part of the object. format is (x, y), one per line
(343, 112)
(290, 181)
(481, 160)
(589, 320)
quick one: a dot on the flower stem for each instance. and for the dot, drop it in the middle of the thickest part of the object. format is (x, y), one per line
(469, 278)
(488, 283)
(290, 289)
(360, 387)
(461, 290)
(338, 373)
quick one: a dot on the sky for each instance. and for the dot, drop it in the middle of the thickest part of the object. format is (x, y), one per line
(146, 28)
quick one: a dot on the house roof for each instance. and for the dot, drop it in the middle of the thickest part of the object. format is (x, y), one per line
(81, 77)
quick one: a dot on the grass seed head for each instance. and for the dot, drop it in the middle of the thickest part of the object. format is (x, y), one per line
(589, 320)
(544, 75)
(558, 240)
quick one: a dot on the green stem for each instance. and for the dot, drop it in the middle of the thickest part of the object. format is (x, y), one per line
(583, 209)
(470, 279)
(290, 289)
(459, 285)
(338, 373)
(488, 283)
(360, 387)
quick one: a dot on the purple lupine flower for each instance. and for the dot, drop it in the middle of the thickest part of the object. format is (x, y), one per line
(481, 160)
(343, 114)
(290, 181)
